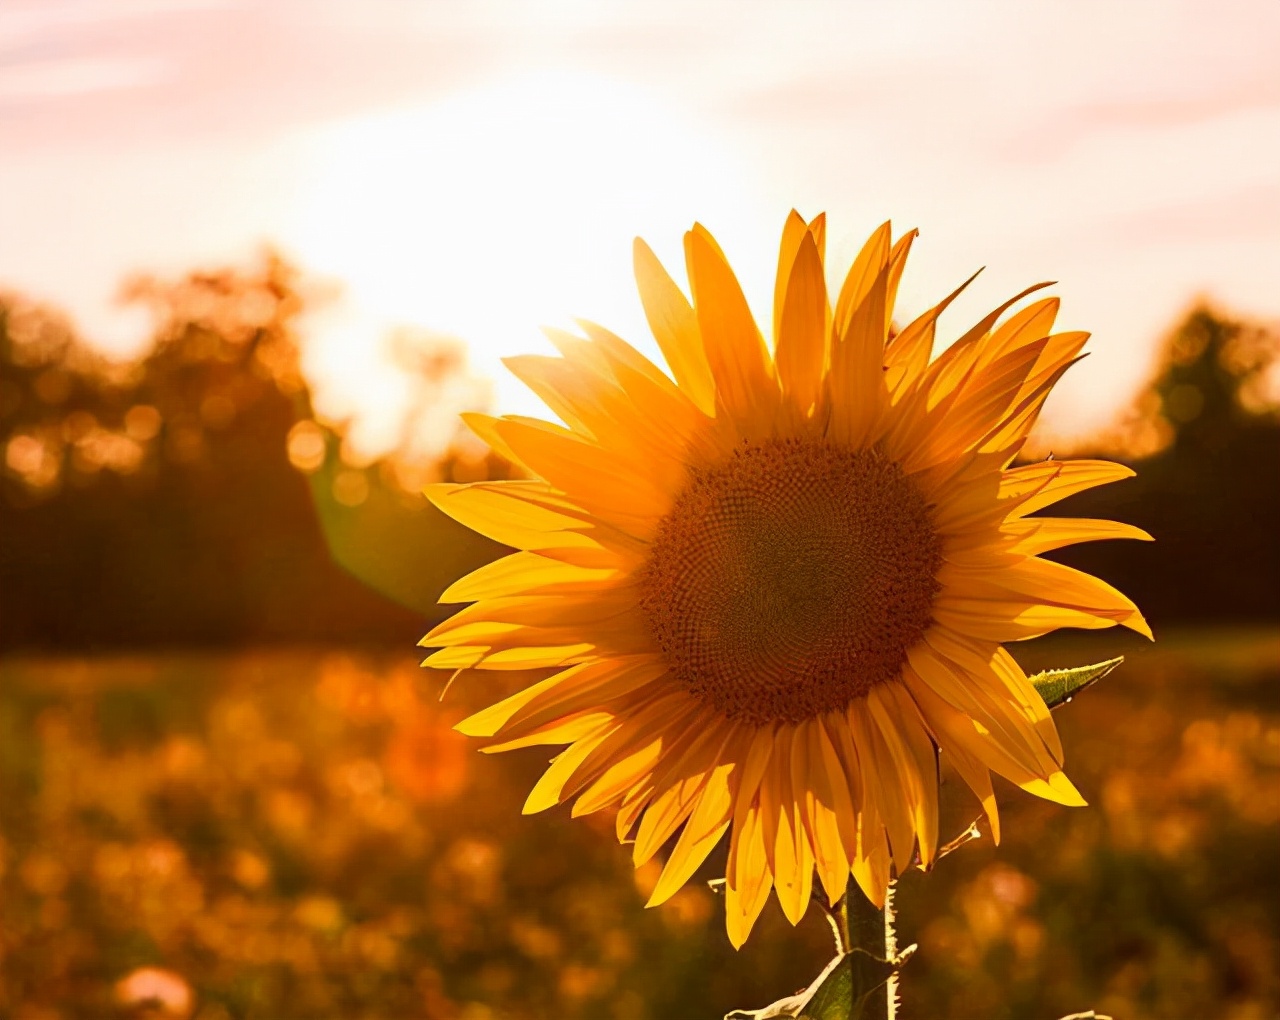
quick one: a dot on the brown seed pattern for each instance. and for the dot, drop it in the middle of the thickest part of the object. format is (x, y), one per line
(791, 579)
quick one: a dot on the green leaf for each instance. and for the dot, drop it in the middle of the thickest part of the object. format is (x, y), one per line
(1058, 686)
(846, 989)
(839, 993)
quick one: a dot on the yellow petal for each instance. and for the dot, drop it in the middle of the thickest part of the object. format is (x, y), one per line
(616, 492)
(907, 355)
(779, 819)
(675, 326)
(1056, 584)
(802, 781)
(869, 856)
(489, 721)
(1037, 535)
(645, 717)
(880, 771)
(630, 771)
(454, 658)
(954, 729)
(547, 792)
(681, 785)
(1023, 327)
(632, 805)
(748, 880)
(774, 814)
(620, 354)
(945, 375)
(482, 426)
(957, 427)
(562, 731)
(867, 267)
(579, 687)
(500, 514)
(1039, 485)
(999, 687)
(1060, 349)
(955, 679)
(581, 352)
(668, 810)
(977, 777)
(586, 611)
(707, 823)
(897, 263)
(793, 874)
(1009, 436)
(527, 573)
(604, 414)
(793, 231)
(818, 228)
(841, 781)
(822, 805)
(858, 393)
(1012, 620)
(536, 657)
(970, 510)
(872, 865)
(909, 742)
(747, 877)
(739, 361)
(802, 328)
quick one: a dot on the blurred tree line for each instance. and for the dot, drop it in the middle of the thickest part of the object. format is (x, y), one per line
(194, 497)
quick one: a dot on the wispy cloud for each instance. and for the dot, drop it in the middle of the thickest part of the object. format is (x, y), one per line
(48, 79)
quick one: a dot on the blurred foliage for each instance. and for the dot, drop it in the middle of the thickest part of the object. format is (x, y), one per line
(303, 835)
(300, 834)
(167, 500)
(1213, 376)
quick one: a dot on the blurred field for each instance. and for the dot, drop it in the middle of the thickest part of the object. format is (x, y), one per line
(298, 833)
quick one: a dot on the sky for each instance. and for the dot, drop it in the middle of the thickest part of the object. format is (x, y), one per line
(479, 169)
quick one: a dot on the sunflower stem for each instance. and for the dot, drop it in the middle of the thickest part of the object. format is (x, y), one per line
(871, 929)
(838, 918)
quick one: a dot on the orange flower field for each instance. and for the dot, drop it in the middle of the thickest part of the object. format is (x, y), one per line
(269, 833)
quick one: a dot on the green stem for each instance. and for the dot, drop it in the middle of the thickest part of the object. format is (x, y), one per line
(839, 920)
(871, 930)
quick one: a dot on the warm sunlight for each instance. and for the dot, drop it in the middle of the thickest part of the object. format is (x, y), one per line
(503, 208)
(835, 646)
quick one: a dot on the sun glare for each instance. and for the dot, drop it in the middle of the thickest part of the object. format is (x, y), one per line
(493, 212)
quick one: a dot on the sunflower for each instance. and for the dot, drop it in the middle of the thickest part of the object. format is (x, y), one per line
(759, 595)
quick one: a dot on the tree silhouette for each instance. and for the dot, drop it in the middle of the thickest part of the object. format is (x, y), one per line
(155, 502)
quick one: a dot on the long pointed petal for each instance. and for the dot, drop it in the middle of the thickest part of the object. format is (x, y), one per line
(736, 353)
(675, 326)
(793, 232)
(701, 833)
(803, 328)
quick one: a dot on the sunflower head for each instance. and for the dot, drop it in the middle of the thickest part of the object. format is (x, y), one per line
(758, 596)
(791, 578)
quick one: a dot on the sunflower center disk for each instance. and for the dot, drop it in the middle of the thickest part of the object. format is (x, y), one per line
(791, 579)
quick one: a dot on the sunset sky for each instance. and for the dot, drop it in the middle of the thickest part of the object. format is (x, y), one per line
(480, 168)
